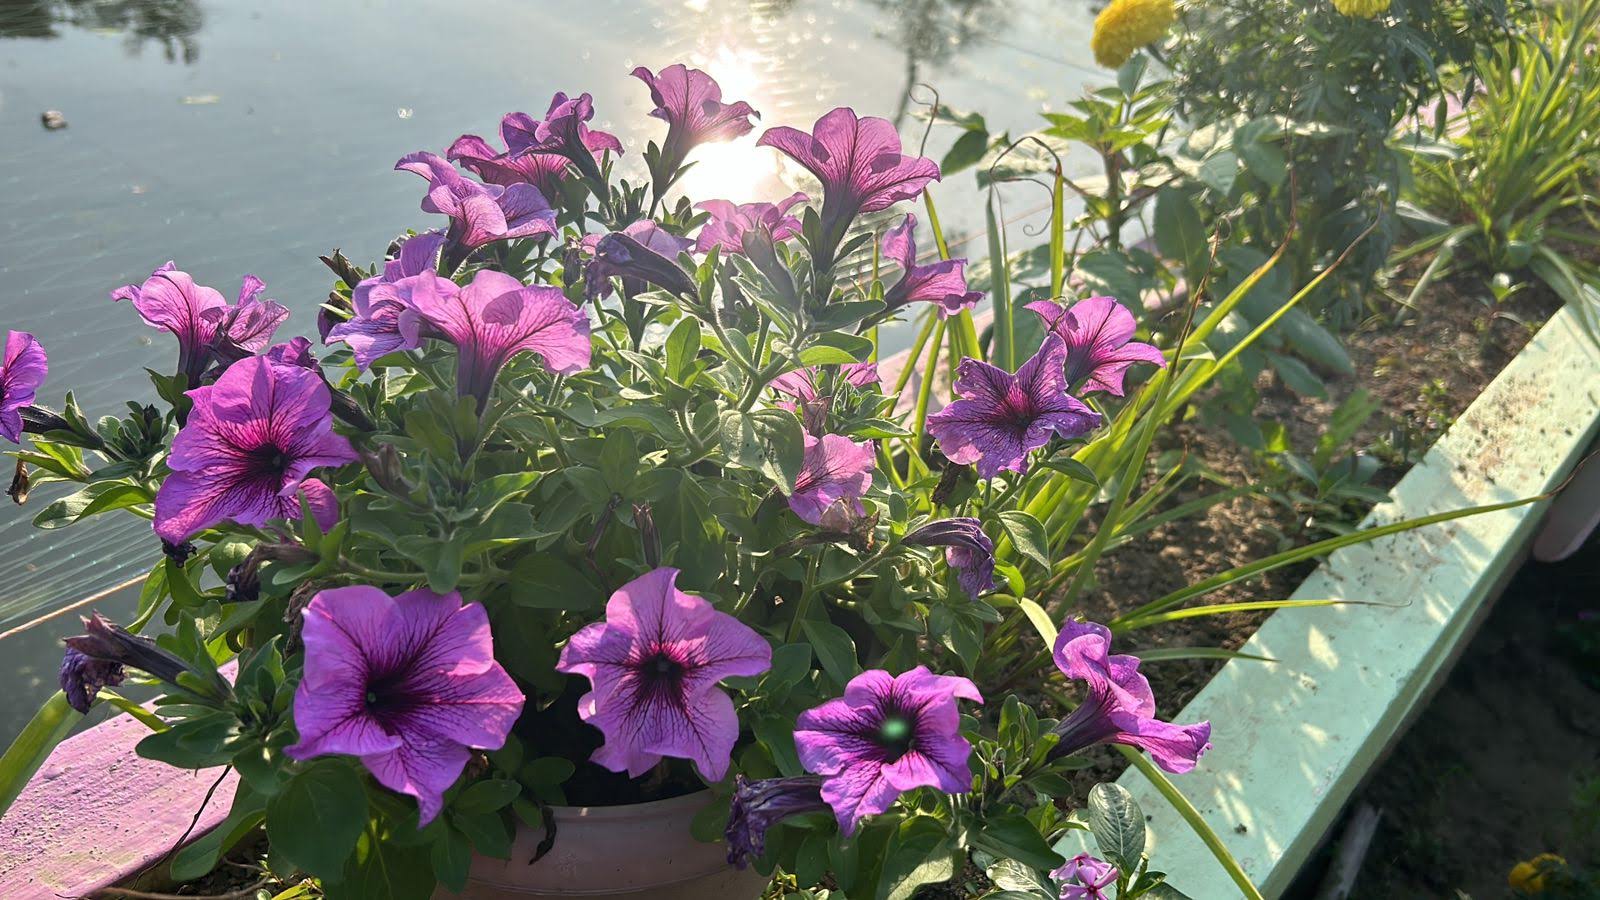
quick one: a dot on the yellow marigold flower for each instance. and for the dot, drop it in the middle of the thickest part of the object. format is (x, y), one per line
(1361, 9)
(1529, 877)
(1127, 25)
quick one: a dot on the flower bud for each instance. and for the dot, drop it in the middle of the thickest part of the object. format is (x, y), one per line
(19, 484)
(649, 537)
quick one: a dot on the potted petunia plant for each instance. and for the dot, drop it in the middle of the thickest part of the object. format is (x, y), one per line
(594, 498)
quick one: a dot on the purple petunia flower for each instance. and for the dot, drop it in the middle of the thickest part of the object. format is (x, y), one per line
(97, 658)
(833, 470)
(968, 551)
(942, 283)
(542, 170)
(858, 161)
(22, 371)
(690, 102)
(479, 213)
(293, 352)
(251, 440)
(641, 254)
(81, 677)
(564, 131)
(408, 684)
(1084, 877)
(200, 319)
(887, 735)
(759, 805)
(384, 321)
(653, 666)
(496, 317)
(1098, 333)
(808, 403)
(1001, 417)
(801, 384)
(1120, 708)
(730, 224)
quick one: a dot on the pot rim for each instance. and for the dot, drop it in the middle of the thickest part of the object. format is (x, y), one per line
(634, 810)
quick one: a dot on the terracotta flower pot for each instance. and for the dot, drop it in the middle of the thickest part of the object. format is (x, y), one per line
(642, 850)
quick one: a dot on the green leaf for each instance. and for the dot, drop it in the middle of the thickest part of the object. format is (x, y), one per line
(440, 559)
(1297, 376)
(1027, 535)
(316, 819)
(451, 857)
(487, 796)
(547, 770)
(1073, 469)
(1180, 234)
(1019, 880)
(546, 581)
(1220, 171)
(769, 441)
(1343, 425)
(920, 852)
(487, 831)
(96, 498)
(790, 663)
(683, 345)
(837, 316)
(48, 727)
(196, 743)
(184, 592)
(1265, 161)
(965, 152)
(835, 650)
(619, 459)
(1040, 620)
(382, 870)
(1117, 824)
(1012, 836)
(811, 860)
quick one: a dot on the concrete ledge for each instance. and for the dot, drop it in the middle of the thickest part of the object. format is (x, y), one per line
(1293, 739)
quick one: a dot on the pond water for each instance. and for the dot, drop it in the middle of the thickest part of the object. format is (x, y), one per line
(251, 137)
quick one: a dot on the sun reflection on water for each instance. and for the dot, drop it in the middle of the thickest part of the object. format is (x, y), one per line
(739, 170)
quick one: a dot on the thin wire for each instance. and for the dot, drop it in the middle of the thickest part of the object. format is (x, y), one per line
(92, 598)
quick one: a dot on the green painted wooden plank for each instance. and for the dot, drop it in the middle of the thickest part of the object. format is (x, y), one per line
(1294, 738)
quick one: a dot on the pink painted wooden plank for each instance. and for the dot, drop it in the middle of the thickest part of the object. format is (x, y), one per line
(95, 814)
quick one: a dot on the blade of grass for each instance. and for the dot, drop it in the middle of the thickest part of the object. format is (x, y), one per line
(1217, 609)
(1004, 345)
(1165, 654)
(1309, 551)
(48, 727)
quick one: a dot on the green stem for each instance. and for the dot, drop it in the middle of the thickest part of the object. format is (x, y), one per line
(807, 591)
(1004, 345)
(1203, 831)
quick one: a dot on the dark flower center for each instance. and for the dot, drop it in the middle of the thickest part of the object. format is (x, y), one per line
(270, 460)
(388, 700)
(896, 735)
(661, 676)
(1016, 410)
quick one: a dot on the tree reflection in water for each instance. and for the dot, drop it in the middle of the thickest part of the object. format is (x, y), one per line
(172, 24)
(932, 32)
